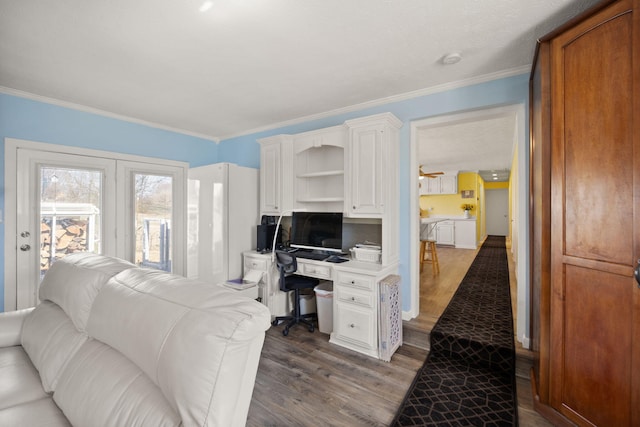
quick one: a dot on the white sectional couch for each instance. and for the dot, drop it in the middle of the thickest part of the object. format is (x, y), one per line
(112, 344)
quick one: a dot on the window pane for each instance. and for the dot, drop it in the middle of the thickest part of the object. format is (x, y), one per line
(153, 207)
(70, 205)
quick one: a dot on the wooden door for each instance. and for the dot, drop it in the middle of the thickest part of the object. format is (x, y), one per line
(595, 219)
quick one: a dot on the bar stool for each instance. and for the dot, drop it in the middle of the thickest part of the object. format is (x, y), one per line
(428, 247)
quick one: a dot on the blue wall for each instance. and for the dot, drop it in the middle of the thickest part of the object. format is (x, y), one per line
(22, 118)
(506, 91)
(37, 121)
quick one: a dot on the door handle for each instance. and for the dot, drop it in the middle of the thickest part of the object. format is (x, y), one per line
(25, 248)
(636, 272)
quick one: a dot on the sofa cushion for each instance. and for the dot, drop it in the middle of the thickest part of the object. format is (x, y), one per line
(50, 339)
(190, 338)
(39, 413)
(116, 394)
(73, 283)
(19, 379)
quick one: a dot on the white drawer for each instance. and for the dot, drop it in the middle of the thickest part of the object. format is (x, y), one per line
(357, 325)
(353, 296)
(314, 270)
(356, 281)
(255, 264)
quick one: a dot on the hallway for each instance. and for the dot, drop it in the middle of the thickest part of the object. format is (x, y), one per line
(435, 294)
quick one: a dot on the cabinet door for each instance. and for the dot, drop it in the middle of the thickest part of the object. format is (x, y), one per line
(366, 172)
(432, 185)
(270, 182)
(276, 171)
(448, 184)
(445, 233)
(594, 352)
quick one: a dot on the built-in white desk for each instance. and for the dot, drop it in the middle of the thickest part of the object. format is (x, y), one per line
(355, 296)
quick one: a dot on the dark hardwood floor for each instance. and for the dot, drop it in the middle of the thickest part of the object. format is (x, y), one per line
(303, 380)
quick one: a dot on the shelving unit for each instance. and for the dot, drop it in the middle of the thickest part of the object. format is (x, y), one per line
(319, 170)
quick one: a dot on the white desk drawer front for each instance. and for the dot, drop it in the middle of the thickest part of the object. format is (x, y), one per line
(353, 296)
(255, 264)
(356, 325)
(314, 270)
(356, 281)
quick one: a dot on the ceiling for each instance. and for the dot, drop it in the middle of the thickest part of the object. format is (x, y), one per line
(248, 65)
(484, 145)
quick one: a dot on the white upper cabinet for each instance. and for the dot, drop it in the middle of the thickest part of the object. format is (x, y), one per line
(371, 165)
(443, 184)
(275, 175)
(351, 168)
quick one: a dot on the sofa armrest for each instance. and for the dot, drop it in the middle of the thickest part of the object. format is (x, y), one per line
(11, 326)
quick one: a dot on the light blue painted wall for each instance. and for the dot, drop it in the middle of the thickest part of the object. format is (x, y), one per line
(38, 121)
(506, 91)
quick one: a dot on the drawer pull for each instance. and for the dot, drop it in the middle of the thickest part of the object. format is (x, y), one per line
(352, 325)
(353, 298)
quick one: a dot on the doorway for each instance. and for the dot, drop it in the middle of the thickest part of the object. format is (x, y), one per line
(518, 143)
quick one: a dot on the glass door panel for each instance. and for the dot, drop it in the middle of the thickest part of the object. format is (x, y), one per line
(70, 213)
(153, 208)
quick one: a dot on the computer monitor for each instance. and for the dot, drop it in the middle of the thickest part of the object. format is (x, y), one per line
(321, 231)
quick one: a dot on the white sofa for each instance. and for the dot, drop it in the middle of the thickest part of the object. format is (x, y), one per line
(112, 344)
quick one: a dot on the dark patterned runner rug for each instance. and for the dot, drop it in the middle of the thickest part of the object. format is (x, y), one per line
(468, 378)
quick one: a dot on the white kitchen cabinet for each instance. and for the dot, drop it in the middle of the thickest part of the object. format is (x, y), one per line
(465, 233)
(276, 187)
(443, 184)
(445, 234)
(449, 184)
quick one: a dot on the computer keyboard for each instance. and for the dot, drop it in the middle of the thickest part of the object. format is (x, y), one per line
(311, 255)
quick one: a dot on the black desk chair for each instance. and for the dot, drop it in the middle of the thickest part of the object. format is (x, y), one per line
(287, 265)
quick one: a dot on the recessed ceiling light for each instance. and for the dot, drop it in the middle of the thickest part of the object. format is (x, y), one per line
(451, 58)
(206, 6)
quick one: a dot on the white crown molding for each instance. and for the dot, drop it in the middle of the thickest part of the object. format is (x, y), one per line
(394, 98)
(86, 109)
(349, 109)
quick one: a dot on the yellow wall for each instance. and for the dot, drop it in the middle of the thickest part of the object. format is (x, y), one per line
(495, 185)
(449, 204)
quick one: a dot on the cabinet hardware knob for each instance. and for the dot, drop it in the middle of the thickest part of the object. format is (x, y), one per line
(25, 234)
(25, 248)
(352, 325)
(353, 298)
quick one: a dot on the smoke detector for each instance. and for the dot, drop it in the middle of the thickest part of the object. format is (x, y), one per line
(451, 58)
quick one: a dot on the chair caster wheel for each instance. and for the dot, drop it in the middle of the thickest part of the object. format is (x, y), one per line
(274, 323)
(311, 328)
(285, 332)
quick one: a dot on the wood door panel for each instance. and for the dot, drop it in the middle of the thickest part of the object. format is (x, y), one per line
(592, 364)
(598, 309)
(598, 143)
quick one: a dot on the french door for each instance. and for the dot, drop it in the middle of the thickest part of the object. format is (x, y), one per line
(58, 203)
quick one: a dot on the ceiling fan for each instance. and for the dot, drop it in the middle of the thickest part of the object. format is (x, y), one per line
(430, 174)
